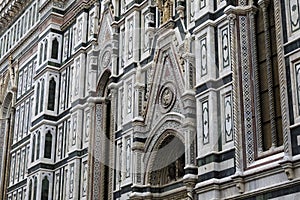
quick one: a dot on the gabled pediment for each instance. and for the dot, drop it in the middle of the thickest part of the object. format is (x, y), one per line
(105, 42)
(105, 29)
(166, 89)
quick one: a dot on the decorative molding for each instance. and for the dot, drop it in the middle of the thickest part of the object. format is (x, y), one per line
(282, 80)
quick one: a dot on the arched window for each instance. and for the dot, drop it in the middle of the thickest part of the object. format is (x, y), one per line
(45, 189)
(42, 95)
(51, 94)
(41, 54)
(38, 145)
(33, 148)
(35, 188)
(48, 145)
(45, 49)
(54, 51)
(30, 190)
(37, 99)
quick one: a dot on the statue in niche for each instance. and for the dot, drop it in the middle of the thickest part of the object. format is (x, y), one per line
(165, 7)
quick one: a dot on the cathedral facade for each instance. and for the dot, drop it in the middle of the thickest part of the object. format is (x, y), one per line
(149, 99)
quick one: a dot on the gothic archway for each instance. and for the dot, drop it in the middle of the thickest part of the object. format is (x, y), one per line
(166, 167)
(169, 161)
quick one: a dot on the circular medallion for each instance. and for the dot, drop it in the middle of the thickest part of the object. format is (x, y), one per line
(106, 59)
(167, 98)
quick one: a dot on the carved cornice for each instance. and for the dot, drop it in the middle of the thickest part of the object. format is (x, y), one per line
(9, 10)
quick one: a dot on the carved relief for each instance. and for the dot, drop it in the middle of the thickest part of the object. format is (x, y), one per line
(85, 179)
(106, 59)
(298, 85)
(130, 38)
(294, 15)
(74, 130)
(202, 4)
(129, 98)
(72, 182)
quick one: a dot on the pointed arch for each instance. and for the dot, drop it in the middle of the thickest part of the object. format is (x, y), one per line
(51, 95)
(48, 145)
(54, 50)
(45, 188)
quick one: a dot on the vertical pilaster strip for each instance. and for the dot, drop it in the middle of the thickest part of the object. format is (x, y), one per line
(90, 189)
(264, 4)
(112, 141)
(256, 82)
(236, 100)
(97, 174)
(282, 80)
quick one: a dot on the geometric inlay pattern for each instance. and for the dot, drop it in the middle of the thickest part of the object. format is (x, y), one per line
(246, 87)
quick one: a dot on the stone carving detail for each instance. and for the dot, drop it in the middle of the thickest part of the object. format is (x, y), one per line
(122, 48)
(192, 10)
(129, 98)
(59, 145)
(294, 15)
(106, 59)
(128, 157)
(57, 187)
(92, 24)
(202, 4)
(298, 85)
(167, 97)
(77, 68)
(205, 122)
(85, 178)
(74, 130)
(203, 57)
(87, 126)
(79, 30)
(228, 118)
(130, 39)
(225, 47)
(72, 182)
